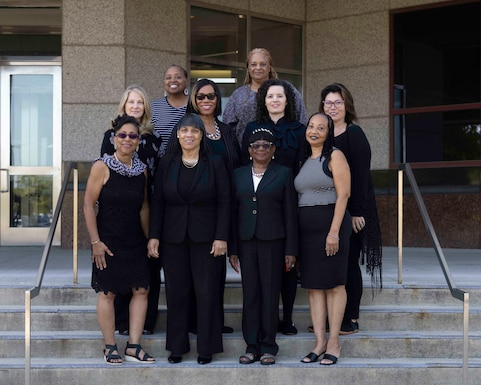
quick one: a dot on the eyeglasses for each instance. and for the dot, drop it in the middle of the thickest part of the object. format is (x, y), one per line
(336, 103)
(123, 135)
(210, 96)
(265, 146)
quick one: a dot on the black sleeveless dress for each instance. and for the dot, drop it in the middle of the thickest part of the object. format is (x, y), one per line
(119, 226)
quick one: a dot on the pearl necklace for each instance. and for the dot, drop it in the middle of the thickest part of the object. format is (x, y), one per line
(117, 159)
(215, 135)
(190, 164)
(257, 175)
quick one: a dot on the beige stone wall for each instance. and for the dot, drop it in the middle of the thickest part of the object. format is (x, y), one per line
(108, 46)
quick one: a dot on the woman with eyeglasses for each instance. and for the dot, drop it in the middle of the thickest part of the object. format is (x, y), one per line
(241, 107)
(276, 111)
(135, 102)
(365, 240)
(323, 184)
(206, 101)
(189, 228)
(265, 242)
(117, 187)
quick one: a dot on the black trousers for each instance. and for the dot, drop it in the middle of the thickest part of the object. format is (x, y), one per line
(354, 279)
(190, 269)
(262, 264)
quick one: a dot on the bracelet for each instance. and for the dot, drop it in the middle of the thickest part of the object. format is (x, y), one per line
(97, 241)
(332, 236)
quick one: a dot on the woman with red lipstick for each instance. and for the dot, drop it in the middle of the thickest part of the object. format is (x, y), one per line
(276, 111)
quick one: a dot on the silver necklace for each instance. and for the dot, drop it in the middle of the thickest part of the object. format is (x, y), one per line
(190, 164)
(117, 159)
(215, 135)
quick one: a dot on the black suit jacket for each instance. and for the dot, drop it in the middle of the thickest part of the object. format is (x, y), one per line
(269, 213)
(205, 216)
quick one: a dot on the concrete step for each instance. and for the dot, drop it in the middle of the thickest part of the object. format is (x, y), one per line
(348, 371)
(387, 318)
(363, 345)
(392, 295)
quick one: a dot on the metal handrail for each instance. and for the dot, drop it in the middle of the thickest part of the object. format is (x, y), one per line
(455, 292)
(34, 291)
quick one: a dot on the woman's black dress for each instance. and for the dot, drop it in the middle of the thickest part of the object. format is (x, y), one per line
(119, 226)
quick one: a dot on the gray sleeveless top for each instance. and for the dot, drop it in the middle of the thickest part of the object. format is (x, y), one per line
(314, 186)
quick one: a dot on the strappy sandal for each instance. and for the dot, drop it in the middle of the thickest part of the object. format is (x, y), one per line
(110, 358)
(144, 360)
(248, 358)
(268, 359)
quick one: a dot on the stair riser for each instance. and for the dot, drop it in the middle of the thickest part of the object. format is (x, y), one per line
(290, 349)
(389, 320)
(233, 296)
(241, 375)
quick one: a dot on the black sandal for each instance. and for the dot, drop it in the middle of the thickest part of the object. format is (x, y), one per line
(136, 358)
(110, 356)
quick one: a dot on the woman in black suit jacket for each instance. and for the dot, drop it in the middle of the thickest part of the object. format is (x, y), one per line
(190, 221)
(266, 243)
(206, 101)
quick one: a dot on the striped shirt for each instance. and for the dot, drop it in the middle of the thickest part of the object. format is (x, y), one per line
(164, 119)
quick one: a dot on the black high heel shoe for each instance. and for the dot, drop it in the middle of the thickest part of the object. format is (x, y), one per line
(173, 359)
(203, 360)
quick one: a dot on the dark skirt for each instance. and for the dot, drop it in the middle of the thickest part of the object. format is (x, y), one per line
(317, 270)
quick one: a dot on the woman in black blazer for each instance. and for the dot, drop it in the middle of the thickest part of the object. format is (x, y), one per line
(265, 243)
(206, 101)
(189, 228)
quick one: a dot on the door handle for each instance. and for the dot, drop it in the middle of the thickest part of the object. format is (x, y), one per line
(4, 179)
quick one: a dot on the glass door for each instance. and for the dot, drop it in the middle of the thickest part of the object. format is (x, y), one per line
(30, 152)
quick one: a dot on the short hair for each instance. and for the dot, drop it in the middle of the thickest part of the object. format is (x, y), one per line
(262, 115)
(182, 69)
(124, 119)
(145, 126)
(267, 54)
(192, 105)
(346, 97)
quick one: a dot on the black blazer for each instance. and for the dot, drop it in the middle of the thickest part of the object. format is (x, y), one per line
(205, 217)
(269, 213)
(230, 142)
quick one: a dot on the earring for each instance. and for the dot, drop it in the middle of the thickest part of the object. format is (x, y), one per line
(177, 136)
(165, 93)
(250, 157)
(272, 156)
(137, 149)
(186, 91)
(115, 147)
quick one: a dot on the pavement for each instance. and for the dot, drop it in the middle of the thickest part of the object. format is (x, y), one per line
(19, 267)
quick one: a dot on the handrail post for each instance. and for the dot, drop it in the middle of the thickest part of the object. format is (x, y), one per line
(400, 226)
(465, 337)
(28, 330)
(75, 226)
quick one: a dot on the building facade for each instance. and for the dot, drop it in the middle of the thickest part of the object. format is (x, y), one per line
(104, 46)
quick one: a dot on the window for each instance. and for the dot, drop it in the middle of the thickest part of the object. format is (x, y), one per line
(436, 96)
(220, 42)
